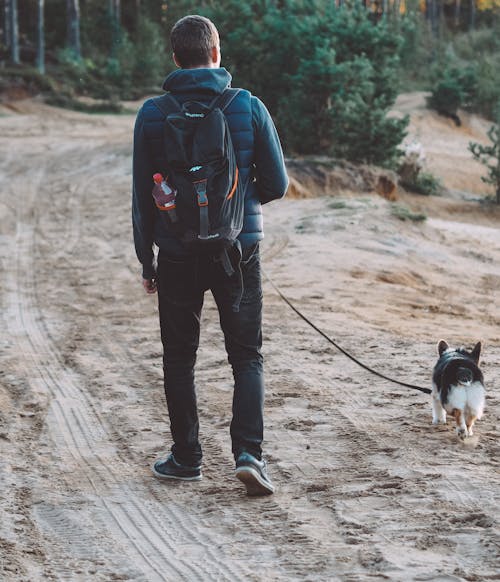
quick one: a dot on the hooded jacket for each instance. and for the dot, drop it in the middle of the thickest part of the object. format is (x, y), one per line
(258, 153)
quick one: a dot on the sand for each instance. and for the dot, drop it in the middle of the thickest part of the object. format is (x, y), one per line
(367, 488)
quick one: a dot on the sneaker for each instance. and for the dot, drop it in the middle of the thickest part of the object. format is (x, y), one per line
(171, 469)
(252, 473)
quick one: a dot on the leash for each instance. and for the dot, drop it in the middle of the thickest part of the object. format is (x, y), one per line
(329, 339)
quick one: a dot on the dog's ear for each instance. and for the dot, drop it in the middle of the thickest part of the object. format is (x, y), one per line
(476, 352)
(442, 347)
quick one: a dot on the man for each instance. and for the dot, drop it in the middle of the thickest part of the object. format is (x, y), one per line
(181, 278)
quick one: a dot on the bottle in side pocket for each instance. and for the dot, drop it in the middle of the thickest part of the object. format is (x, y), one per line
(164, 196)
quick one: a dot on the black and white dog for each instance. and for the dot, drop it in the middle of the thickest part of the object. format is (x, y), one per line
(457, 387)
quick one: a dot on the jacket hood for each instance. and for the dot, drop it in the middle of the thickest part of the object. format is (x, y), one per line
(208, 81)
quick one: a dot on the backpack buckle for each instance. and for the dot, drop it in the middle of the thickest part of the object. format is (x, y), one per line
(201, 192)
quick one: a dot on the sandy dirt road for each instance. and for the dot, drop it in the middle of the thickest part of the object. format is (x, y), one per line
(367, 488)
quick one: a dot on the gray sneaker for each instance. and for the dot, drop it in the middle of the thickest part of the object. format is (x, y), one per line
(171, 469)
(253, 474)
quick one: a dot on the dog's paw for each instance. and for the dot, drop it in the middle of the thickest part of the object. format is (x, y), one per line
(462, 433)
(469, 432)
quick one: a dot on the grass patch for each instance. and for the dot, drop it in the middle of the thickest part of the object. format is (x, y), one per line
(425, 184)
(337, 205)
(68, 102)
(404, 213)
(27, 81)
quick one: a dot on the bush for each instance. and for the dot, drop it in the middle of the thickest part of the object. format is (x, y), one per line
(461, 69)
(413, 176)
(489, 156)
(426, 184)
(456, 88)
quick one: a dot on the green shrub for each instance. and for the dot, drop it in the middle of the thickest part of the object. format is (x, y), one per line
(404, 213)
(470, 45)
(424, 183)
(455, 88)
(489, 156)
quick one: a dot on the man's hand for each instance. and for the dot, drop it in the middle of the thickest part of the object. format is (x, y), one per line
(149, 286)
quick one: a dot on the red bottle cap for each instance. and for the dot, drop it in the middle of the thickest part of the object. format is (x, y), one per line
(158, 178)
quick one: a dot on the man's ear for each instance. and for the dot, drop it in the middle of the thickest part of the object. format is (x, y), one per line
(176, 61)
(216, 56)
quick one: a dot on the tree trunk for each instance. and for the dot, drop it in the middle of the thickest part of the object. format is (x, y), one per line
(472, 24)
(73, 27)
(118, 12)
(397, 8)
(497, 150)
(434, 17)
(114, 10)
(457, 12)
(14, 32)
(40, 49)
(6, 27)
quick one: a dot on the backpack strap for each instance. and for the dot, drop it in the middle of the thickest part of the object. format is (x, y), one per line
(162, 100)
(231, 269)
(225, 99)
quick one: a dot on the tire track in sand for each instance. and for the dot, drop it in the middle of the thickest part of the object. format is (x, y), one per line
(72, 420)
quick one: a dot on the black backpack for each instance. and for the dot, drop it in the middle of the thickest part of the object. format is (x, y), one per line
(202, 171)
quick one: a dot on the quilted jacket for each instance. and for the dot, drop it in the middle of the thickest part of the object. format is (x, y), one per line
(258, 153)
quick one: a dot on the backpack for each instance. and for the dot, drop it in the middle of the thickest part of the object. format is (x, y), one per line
(201, 169)
(202, 185)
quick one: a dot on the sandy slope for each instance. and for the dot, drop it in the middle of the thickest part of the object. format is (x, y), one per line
(367, 489)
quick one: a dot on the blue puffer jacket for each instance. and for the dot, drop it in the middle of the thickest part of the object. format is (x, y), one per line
(258, 152)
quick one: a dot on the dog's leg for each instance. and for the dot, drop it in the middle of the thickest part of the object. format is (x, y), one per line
(438, 412)
(460, 420)
(470, 423)
(474, 406)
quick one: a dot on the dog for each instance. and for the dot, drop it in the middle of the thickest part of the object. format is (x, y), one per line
(458, 387)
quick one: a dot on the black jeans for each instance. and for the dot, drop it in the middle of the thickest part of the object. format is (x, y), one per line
(181, 287)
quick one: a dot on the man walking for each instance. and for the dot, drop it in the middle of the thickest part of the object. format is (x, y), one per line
(182, 277)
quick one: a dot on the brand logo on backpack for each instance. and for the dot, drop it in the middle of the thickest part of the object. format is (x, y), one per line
(187, 114)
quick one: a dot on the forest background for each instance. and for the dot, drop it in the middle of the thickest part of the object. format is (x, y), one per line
(328, 71)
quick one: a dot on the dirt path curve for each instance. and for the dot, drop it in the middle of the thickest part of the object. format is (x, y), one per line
(367, 489)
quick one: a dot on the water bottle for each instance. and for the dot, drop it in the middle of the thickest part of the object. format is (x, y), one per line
(164, 196)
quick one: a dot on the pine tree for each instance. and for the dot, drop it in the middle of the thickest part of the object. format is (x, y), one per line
(340, 95)
(489, 155)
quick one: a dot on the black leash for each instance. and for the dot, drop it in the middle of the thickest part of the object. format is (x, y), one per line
(301, 315)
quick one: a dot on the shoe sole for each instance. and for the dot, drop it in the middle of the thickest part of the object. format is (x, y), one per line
(174, 477)
(253, 482)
